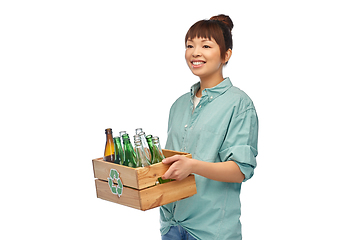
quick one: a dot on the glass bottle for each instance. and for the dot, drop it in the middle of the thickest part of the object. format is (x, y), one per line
(129, 154)
(145, 144)
(150, 144)
(158, 155)
(119, 153)
(116, 151)
(109, 153)
(138, 130)
(141, 158)
(120, 135)
(136, 138)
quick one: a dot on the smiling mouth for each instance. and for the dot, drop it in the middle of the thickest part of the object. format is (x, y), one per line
(197, 63)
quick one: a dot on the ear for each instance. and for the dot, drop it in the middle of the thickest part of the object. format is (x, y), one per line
(227, 55)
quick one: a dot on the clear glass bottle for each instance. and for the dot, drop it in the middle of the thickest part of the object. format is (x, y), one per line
(145, 144)
(109, 153)
(141, 158)
(138, 130)
(136, 138)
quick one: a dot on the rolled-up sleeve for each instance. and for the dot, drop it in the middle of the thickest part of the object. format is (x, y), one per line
(240, 143)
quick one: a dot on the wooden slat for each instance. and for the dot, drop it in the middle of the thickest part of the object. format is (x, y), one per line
(166, 193)
(148, 176)
(130, 197)
(169, 153)
(128, 175)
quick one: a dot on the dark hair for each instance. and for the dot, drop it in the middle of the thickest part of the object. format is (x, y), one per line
(218, 27)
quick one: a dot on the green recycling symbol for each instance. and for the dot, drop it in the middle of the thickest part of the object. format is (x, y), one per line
(115, 189)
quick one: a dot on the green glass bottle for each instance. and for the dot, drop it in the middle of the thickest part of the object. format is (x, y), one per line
(119, 153)
(158, 156)
(150, 144)
(117, 161)
(141, 158)
(129, 154)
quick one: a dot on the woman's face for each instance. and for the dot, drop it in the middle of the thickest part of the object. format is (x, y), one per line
(203, 57)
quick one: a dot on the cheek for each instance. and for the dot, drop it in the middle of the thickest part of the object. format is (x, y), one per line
(187, 55)
(216, 58)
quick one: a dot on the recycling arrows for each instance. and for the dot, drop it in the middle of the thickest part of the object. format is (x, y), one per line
(115, 189)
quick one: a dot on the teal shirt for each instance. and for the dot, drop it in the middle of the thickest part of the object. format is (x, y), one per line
(223, 127)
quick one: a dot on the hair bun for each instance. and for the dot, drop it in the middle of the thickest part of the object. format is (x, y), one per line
(224, 19)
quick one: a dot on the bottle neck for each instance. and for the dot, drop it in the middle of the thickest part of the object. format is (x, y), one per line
(137, 144)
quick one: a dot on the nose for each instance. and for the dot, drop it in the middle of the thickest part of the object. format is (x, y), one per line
(196, 53)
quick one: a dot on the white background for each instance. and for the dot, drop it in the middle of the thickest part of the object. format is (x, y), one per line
(70, 69)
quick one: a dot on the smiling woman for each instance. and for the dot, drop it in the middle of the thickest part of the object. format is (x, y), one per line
(217, 123)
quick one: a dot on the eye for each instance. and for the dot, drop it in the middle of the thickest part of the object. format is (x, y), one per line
(189, 46)
(206, 46)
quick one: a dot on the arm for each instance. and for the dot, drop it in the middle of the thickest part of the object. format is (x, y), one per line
(182, 166)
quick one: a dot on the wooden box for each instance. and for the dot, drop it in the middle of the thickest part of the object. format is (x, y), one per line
(137, 187)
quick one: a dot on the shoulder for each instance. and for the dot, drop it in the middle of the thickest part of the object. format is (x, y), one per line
(240, 100)
(181, 101)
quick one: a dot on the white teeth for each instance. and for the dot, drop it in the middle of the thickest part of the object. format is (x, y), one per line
(197, 63)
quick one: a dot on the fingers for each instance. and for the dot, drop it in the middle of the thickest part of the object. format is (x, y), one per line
(168, 174)
(171, 159)
(179, 169)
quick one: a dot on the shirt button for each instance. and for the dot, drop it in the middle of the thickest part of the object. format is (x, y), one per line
(186, 125)
(211, 97)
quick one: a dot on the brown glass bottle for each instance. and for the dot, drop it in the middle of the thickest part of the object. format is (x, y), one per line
(109, 153)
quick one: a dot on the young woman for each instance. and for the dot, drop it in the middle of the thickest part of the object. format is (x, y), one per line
(217, 123)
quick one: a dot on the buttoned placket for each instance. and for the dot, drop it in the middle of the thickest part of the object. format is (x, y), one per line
(193, 118)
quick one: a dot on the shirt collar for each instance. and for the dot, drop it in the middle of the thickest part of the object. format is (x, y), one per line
(214, 92)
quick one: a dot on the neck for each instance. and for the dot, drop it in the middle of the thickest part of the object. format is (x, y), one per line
(209, 82)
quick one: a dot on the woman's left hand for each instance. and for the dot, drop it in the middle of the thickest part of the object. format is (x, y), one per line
(180, 168)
